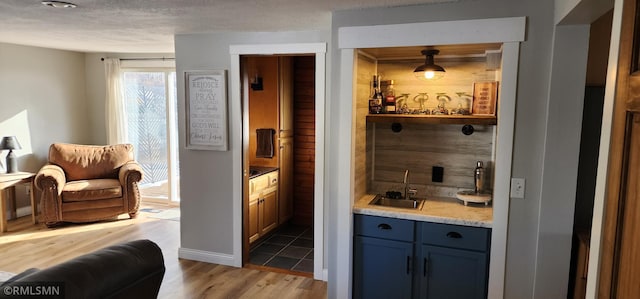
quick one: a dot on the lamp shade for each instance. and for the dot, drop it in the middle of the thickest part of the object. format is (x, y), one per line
(429, 70)
(10, 143)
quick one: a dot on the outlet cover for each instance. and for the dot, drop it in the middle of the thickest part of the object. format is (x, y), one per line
(517, 187)
(437, 174)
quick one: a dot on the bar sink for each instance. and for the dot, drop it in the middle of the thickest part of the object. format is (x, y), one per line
(413, 204)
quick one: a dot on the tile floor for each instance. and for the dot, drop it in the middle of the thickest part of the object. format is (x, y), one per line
(290, 248)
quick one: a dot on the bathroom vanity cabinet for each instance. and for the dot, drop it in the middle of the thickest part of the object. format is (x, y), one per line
(399, 258)
(263, 204)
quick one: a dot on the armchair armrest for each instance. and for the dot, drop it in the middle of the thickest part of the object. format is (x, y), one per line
(51, 176)
(130, 172)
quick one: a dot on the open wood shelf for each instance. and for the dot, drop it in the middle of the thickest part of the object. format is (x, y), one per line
(433, 119)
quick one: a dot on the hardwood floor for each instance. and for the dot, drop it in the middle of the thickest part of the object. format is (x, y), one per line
(27, 246)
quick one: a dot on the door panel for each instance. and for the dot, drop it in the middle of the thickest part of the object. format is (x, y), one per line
(620, 259)
(286, 180)
(269, 213)
(452, 273)
(382, 268)
(253, 228)
(150, 104)
(628, 264)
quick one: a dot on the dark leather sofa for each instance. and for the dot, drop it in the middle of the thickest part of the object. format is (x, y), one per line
(130, 270)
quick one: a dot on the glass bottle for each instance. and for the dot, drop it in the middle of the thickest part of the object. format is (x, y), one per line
(390, 99)
(375, 100)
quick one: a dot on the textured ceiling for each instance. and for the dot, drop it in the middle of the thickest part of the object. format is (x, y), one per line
(149, 25)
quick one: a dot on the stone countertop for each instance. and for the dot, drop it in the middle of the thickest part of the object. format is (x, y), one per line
(435, 209)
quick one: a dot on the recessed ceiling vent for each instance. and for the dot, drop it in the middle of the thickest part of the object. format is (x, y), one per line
(59, 4)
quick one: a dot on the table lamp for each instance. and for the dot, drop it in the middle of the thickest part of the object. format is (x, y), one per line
(10, 143)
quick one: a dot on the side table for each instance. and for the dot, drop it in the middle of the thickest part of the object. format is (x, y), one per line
(8, 181)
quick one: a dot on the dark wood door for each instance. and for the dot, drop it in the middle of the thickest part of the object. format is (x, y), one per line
(620, 264)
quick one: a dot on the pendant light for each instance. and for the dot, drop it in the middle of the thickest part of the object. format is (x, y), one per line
(429, 70)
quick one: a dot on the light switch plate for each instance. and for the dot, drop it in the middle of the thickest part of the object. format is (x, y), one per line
(517, 187)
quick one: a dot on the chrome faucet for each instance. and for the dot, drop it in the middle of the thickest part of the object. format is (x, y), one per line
(407, 191)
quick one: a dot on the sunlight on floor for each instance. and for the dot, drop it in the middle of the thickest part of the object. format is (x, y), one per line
(43, 232)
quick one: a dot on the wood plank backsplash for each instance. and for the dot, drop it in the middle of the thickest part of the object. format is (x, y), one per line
(304, 103)
(419, 147)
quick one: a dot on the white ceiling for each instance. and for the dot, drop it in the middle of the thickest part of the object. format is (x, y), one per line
(148, 26)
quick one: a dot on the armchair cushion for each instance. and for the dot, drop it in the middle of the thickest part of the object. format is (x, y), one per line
(90, 162)
(84, 190)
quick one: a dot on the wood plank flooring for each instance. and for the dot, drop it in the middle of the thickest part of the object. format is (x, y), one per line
(27, 246)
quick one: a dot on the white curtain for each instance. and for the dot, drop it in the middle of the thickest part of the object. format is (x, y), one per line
(115, 117)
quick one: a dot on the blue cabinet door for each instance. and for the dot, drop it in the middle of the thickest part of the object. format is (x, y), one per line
(382, 268)
(448, 273)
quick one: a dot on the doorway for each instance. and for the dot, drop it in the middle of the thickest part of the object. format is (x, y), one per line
(596, 74)
(238, 90)
(279, 159)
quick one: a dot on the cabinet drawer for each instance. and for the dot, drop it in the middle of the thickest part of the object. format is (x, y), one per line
(273, 178)
(258, 184)
(456, 236)
(383, 227)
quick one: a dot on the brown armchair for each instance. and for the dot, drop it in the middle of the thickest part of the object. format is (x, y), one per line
(86, 183)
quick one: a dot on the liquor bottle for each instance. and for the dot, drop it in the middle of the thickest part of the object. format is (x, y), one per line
(390, 99)
(375, 101)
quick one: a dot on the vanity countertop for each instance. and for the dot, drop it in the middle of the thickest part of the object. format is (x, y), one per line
(256, 171)
(435, 209)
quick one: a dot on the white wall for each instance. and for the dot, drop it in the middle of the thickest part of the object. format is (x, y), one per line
(568, 12)
(564, 122)
(209, 182)
(42, 100)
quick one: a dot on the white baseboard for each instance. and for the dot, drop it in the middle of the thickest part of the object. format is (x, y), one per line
(206, 256)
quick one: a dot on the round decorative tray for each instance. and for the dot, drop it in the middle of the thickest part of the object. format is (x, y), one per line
(471, 196)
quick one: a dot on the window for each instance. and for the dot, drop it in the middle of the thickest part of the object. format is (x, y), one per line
(151, 126)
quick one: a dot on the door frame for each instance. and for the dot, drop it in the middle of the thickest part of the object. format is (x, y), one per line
(602, 244)
(319, 50)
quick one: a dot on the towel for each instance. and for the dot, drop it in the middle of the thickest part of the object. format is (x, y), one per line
(264, 140)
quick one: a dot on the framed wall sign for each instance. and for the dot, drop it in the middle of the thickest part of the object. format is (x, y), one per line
(485, 95)
(206, 110)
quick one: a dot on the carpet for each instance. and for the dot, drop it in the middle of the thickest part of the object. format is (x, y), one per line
(170, 214)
